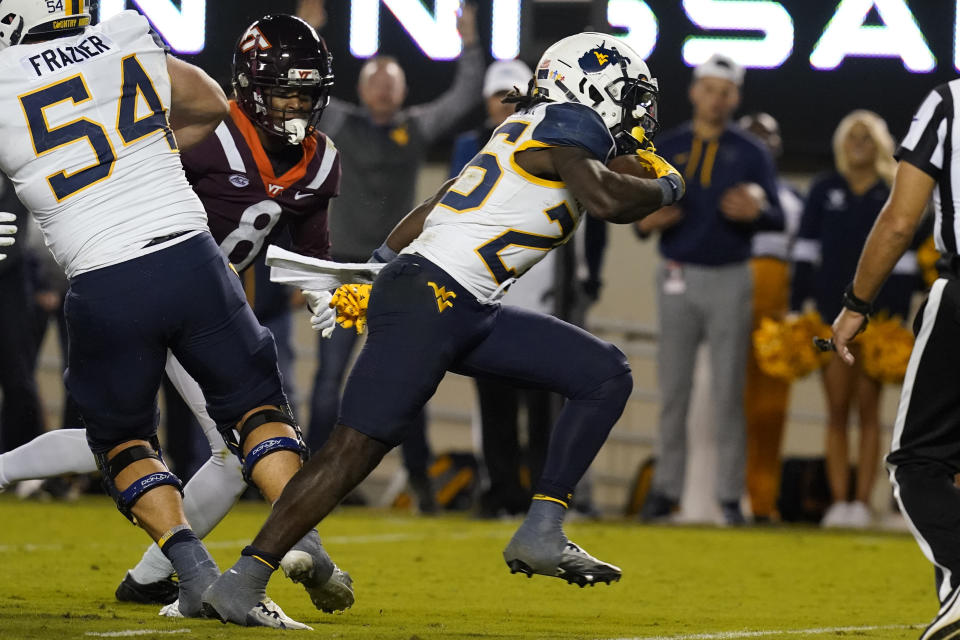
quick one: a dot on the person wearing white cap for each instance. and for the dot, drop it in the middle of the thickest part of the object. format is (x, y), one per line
(500, 79)
(704, 285)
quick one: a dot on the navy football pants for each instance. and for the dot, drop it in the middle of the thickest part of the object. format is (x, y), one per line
(122, 319)
(423, 323)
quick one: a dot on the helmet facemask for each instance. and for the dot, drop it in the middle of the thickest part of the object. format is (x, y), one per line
(637, 99)
(287, 124)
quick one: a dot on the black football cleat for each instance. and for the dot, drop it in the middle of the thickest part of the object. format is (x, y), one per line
(162, 592)
(575, 565)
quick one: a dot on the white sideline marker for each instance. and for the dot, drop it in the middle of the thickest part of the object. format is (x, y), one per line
(734, 635)
(134, 632)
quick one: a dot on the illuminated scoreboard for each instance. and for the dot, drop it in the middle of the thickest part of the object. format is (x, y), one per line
(812, 61)
(847, 33)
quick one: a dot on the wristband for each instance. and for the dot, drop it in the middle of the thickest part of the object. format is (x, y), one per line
(855, 304)
(383, 254)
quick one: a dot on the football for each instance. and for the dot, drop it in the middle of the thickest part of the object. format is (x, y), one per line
(631, 165)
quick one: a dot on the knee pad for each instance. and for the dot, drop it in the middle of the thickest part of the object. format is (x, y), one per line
(236, 437)
(125, 499)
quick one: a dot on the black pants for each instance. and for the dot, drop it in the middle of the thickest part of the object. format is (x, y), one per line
(502, 456)
(925, 454)
(21, 418)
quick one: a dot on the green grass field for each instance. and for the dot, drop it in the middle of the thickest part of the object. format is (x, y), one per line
(420, 578)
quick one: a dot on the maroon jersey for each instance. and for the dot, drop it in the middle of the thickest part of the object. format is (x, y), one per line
(247, 206)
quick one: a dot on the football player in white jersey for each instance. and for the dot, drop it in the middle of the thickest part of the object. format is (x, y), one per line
(434, 308)
(92, 154)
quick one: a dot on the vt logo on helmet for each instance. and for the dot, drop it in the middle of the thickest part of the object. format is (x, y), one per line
(606, 75)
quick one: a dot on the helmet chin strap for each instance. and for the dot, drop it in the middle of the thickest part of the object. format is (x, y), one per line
(296, 129)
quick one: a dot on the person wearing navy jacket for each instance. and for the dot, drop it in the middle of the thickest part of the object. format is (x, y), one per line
(840, 210)
(704, 283)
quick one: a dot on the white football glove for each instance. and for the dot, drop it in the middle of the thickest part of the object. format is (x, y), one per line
(323, 318)
(7, 231)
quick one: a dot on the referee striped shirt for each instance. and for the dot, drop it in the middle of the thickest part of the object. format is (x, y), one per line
(931, 146)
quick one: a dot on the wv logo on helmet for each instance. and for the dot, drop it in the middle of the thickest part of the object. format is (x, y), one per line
(599, 57)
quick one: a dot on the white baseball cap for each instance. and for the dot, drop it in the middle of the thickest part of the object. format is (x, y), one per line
(504, 75)
(720, 66)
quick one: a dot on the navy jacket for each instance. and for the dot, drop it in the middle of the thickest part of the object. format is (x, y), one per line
(710, 167)
(833, 230)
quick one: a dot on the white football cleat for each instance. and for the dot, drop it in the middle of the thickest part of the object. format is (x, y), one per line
(335, 594)
(266, 613)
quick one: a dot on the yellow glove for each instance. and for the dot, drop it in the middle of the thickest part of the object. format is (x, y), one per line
(657, 164)
(350, 301)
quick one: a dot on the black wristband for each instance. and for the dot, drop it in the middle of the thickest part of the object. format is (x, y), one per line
(855, 304)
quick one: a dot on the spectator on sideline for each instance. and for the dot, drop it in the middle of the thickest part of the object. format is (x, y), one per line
(382, 147)
(505, 460)
(704, 287)
(840, 210)
(767, 397)
(313, 12)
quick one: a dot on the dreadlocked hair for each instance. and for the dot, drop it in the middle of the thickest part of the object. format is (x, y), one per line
(528, 100)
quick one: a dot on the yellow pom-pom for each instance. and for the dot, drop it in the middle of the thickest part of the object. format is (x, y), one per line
(886, 346)
(785, 349)
(927, 256)
(351, 301)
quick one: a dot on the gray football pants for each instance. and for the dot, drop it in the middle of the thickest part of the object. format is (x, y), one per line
(715, 306)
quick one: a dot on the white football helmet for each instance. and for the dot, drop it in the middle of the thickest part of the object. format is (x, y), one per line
(604, 73)
(49, 18)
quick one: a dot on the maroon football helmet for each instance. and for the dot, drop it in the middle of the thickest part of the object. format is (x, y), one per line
(281, 52)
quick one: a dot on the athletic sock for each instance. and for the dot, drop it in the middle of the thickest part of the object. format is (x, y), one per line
(539, 542)
(207, 498)
(195, 567)
(269, 559)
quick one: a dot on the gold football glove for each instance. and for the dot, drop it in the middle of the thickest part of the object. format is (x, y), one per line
(350, 301)
(656, 164)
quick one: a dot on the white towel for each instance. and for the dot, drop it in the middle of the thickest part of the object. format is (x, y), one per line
(287, 267)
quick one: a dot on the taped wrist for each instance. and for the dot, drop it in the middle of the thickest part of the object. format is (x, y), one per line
(668, 189)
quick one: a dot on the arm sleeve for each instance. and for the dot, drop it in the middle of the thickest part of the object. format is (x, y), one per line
(806, 250)
(771, 219)
(437, 117)
(569, 124)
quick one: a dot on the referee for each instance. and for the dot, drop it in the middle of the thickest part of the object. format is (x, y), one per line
(925, 453)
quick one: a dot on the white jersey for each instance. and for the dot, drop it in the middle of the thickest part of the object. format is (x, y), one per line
(497, 220)
(87, 144)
